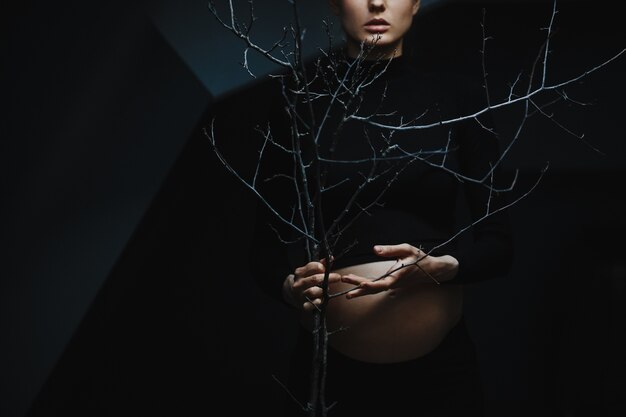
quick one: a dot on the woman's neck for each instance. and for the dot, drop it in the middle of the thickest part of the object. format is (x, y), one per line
(345, 65)
(393, 65)
(378, 52)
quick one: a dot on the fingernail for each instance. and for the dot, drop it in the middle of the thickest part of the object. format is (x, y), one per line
(377, 248)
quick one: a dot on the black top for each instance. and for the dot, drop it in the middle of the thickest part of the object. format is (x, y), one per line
(413, 203)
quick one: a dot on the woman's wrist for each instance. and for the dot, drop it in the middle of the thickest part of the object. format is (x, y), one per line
(446, 267)
(287, 291)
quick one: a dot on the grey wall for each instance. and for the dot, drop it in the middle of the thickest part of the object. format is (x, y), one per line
(213, 53)
(99, 107)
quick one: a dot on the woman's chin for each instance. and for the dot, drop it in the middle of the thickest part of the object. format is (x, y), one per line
(376, 44)
(376, 39)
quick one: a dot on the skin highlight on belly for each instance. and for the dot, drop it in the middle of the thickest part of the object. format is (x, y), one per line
(390, 326)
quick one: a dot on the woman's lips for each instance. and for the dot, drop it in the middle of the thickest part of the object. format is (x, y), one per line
(376, 28)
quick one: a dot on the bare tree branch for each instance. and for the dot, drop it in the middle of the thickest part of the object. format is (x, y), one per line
(453, 237)
(234, 28)
(223, 160)
(340, 85)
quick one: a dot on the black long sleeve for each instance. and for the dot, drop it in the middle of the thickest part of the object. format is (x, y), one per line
(419, 205)
(490, 253)
(269, 258)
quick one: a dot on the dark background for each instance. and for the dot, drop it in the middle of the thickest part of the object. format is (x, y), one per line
(124, 287)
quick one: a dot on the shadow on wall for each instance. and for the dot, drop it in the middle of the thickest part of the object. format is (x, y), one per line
(179, 327)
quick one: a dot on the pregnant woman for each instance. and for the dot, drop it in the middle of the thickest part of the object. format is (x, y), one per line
(401, 346)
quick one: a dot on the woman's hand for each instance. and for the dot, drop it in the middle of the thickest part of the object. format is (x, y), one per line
(304, 289)
(429, 269)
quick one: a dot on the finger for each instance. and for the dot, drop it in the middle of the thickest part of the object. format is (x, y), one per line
(313, 292)
(358, 292)
(333, 278)
(354, 279)
(378, 286)
(323, 260)
(316, 279)
(361, 282)
(401, 250)
(366, 286)
(309, 269)
(395, 266)
(308, 305)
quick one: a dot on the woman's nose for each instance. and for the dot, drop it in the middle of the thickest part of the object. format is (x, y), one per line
(376, 4)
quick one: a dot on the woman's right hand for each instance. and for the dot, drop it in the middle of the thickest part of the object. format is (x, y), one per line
(303, 289)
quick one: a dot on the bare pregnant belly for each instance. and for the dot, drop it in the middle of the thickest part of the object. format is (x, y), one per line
(394, 325)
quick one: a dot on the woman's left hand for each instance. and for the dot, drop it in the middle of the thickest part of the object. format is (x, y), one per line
(428, 269)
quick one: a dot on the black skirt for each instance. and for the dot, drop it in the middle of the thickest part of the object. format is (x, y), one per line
(444, 382)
